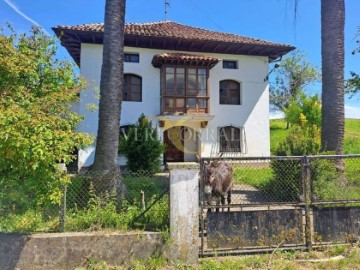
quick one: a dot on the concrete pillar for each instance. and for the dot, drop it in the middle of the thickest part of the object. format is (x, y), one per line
(184, 215)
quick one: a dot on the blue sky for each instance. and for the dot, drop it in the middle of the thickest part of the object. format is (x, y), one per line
(266, 19)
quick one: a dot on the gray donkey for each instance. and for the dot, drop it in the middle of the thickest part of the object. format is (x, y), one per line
(218, 182)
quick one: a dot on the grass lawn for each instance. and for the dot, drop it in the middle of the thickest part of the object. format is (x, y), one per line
(278, 132)
(257, 177)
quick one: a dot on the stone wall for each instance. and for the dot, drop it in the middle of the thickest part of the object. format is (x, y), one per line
(67, 250)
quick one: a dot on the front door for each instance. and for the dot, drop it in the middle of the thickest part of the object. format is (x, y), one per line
(174, 140)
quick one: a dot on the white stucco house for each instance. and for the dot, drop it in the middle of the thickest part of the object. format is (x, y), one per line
(207, 92)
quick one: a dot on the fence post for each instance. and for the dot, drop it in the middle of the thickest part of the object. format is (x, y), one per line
(63, 210)
(184, 214)
(307, 194)
(201, 207)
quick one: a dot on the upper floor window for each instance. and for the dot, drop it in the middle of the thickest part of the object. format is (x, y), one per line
(229, 139)
(230, 64)
(230, 92)
(185, 81)
(132, 90)
(185, 89)
(131, 57)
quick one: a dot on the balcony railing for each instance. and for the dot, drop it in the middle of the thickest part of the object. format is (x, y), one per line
(184, 104)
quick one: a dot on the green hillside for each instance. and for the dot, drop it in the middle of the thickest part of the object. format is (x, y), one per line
(278, 132)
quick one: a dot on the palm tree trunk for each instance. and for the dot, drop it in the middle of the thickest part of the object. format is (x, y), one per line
(332, 52)
(111, 84)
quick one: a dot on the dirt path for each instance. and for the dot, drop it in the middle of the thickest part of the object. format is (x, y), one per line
(246, 194)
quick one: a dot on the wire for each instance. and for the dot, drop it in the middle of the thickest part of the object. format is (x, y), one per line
(205, 15)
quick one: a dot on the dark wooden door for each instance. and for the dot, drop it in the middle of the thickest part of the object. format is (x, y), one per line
(174, 140)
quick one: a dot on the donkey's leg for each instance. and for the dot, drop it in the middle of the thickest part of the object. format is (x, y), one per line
(217, 203)
(222, 202)
(229, 199)
(208, 203)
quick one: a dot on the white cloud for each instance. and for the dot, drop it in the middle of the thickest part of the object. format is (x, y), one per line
(22, 14)
(352, 112)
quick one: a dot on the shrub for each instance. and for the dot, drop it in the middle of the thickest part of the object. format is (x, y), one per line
(287, 184)
(141, 147)
(304, 111)
(330, 183)
(300, 141)
(324, 178)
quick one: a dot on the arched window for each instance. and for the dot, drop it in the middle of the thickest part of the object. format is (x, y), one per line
(132, 90)
(229, 92)
(229, 139)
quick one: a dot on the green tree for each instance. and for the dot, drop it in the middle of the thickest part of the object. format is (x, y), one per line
(332, 60)
(292, 76)
(111, 84)
(352, 85)
(306, 111)
(141, 147)
(37, 126)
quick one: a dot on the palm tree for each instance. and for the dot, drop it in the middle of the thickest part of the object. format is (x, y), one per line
(110, 93)
(332, 54)
(332, 58)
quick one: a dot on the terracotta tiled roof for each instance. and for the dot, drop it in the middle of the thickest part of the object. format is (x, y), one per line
(167, 35)
(186, 59)
(174, 30)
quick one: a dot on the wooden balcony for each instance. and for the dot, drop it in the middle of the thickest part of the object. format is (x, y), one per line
(184, 104)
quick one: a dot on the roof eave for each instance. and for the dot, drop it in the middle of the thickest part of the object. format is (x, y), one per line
(71, 39)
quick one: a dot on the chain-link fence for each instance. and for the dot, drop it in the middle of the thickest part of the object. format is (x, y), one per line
(264, 180)
(90, 202)
(284, 180)
(335, 178)
(293, 202)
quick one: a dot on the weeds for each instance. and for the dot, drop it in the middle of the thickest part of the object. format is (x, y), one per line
(88, 211)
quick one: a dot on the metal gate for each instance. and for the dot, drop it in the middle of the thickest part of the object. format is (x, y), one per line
(282, 203)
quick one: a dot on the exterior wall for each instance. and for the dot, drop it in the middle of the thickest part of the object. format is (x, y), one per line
(91, 61)
(71, 250)
(252, 114)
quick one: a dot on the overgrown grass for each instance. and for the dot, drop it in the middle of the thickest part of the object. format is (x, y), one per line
(278, 132)
(29, 222)
(101, 212)
(290, 260)
(87, 211)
